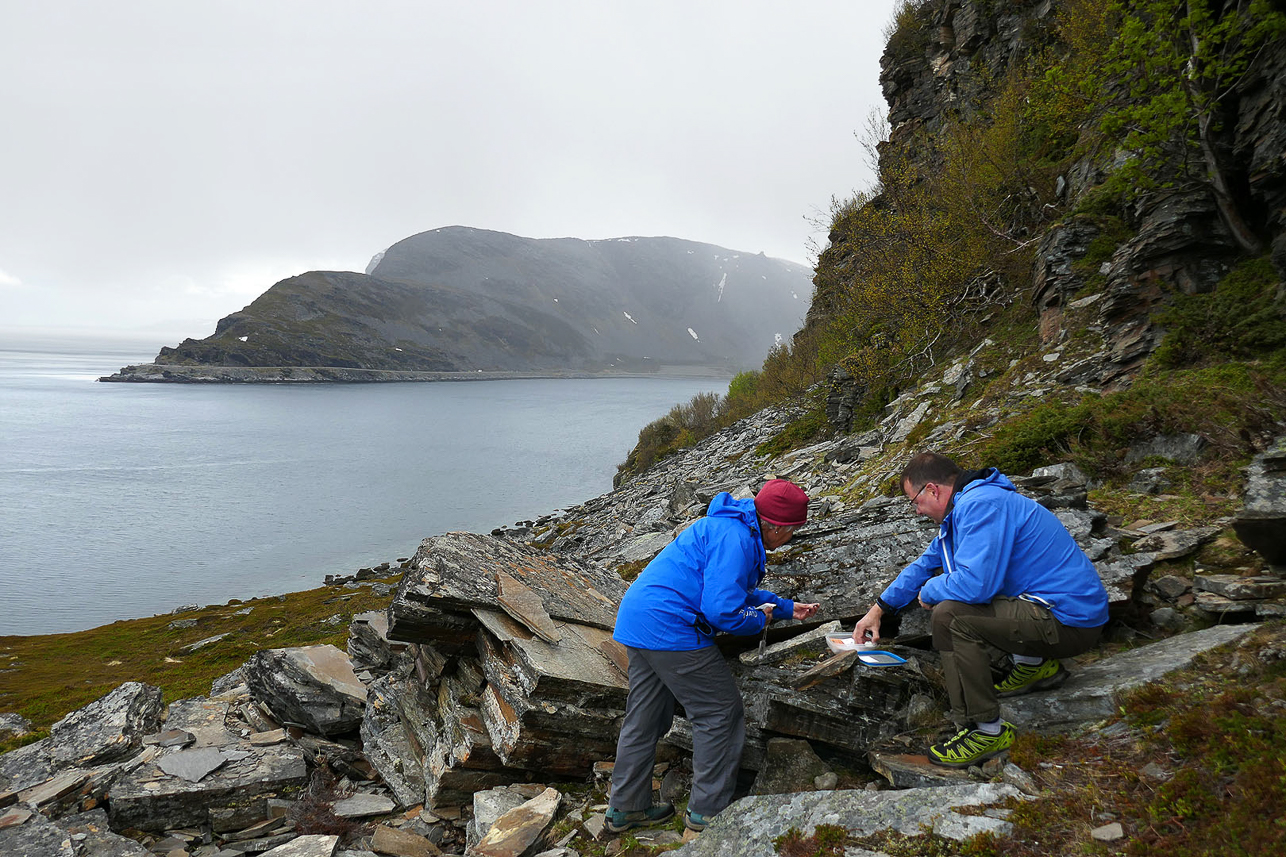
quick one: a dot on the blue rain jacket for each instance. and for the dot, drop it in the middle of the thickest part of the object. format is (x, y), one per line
(996, 542)
(701, 583)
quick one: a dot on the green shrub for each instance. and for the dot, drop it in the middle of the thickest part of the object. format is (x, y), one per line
(1244, 317)
(1232, 405)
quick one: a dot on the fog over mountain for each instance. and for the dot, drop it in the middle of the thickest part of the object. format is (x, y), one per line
(463, 299)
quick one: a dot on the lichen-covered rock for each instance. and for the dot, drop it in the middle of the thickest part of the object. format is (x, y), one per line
(748, 827)
(108, 729)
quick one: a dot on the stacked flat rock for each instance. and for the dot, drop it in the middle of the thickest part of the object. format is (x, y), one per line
(513, 671)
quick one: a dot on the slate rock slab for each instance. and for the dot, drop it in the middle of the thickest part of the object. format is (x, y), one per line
(1176, 544)
(108, 729)
(914, 770)
(364, 805)
(488, 806)
(192, 765)
(306, 846)
(310, 686)
(748, 827)
(1090, 693)
(232, 797)
(456, 572)
(401, 843)
(513, 833)
(38, 837)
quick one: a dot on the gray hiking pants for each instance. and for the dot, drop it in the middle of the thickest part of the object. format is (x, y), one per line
(967, 634)
(702, 683)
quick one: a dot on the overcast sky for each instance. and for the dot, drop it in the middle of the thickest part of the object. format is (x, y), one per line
(162, 163)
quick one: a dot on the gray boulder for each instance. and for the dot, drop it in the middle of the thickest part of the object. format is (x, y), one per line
(13, 726)
(313, 687)
(790, 766)
(107, 730)
(1261, 523)
(748, 827)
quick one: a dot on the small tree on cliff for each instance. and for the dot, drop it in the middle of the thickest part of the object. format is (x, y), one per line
(1180, 62)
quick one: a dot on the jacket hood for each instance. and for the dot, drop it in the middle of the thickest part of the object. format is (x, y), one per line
(724, 506)
(972, 479)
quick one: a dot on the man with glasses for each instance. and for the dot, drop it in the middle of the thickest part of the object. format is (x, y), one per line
(1002, 574)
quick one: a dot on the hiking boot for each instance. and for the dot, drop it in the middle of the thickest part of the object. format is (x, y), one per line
(971, 747)
(1024, 678)
(695, 821)
(618, 820)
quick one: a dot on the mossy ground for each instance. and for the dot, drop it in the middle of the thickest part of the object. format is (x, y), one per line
(47, 676)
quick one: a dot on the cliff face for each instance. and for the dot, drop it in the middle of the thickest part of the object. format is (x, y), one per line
(459, 299)
(1121, 256)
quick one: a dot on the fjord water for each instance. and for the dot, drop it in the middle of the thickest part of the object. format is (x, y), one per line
(126, 500)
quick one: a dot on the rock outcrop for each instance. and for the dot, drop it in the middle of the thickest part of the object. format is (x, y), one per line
(313, 687)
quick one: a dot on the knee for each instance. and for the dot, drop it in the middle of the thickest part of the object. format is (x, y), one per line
(944, 613)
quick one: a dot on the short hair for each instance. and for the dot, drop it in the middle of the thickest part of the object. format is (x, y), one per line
(929, 467)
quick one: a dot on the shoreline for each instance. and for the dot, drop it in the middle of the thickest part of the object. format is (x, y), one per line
(157, 373)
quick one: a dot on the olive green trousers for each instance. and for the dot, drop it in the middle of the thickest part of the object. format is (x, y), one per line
(968, 635)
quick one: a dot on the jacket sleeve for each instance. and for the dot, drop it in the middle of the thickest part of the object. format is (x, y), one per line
(783, 608)
(904, 589)
(728, 583)
(975, 570)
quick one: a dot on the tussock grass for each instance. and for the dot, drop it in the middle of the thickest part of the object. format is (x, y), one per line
(46, 676)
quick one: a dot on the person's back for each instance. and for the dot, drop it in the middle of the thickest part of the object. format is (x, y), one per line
(1035, 555)
(697, 584)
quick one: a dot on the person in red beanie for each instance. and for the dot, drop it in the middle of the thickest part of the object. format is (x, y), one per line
(704, 582)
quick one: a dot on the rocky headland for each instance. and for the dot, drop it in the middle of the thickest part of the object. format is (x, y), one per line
(455, 302)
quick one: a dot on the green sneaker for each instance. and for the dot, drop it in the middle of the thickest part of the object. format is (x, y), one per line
(971, 747)
(1024, 678)
(695, 821)
(618, 820)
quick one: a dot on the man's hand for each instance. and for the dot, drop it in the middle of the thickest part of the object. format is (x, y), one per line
(767, 608)
(805, 611)
(924, 604)
(868, 627)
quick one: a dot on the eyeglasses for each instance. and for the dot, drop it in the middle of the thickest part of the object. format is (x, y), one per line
(916, 495)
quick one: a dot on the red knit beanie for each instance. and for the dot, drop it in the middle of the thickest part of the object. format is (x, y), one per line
(782, 502)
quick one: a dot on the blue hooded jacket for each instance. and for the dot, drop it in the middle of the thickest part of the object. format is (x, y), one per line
(996, 542)
(702, 582)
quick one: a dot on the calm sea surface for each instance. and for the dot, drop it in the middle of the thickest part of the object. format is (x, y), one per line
(126, 500)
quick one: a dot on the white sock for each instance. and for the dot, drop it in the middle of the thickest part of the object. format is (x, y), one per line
(992, 727)
(1028, 660)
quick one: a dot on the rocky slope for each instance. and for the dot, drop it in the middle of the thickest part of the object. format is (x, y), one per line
(489, 690)
(469, 300)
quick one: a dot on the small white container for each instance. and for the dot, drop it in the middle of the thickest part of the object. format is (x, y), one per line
(840, 643)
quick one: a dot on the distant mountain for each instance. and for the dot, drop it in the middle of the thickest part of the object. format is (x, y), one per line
(461, 299)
